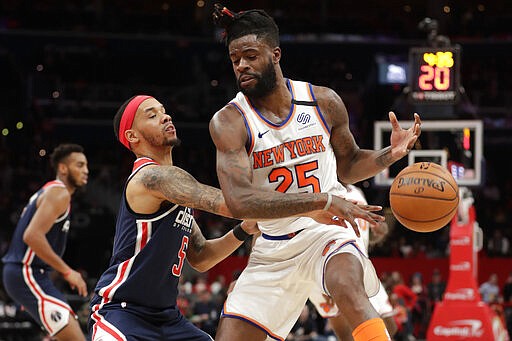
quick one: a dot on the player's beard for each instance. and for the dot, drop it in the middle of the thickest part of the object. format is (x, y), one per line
(265, 83)
(170, 142)
(175, 142)
(75, 182)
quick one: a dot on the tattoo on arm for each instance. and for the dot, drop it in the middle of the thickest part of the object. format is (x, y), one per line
(179, 187)
(197, 240)
(383, 158)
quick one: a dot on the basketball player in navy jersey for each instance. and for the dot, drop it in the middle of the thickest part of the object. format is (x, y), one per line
(38, 244)
(135, 298)
(277, 139)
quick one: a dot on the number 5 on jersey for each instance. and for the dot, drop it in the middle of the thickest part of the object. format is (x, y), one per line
(176, 268)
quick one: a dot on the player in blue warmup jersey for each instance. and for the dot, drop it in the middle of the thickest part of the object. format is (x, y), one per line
(135, 298)
(38, 244)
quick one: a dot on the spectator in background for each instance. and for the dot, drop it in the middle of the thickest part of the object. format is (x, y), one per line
(498, 245)
(507, 302)
(406, 249)
(490, 289)
(399, 315)
(205, 313)
(420, 313)
(408, 297)
(435, 288)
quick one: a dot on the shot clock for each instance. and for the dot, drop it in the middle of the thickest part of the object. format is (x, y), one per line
(434, 75)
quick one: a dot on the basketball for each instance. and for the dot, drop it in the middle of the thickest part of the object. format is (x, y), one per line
(424, 197)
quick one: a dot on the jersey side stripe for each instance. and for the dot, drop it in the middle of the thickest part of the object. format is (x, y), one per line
(103, 324)
(123, 269)
(251, 321)
(40, 295)
(345, 243)
(247, 125)
(143, 235)
(317, 109)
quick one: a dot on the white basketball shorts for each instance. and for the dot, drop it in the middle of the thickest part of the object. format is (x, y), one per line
(281, 275)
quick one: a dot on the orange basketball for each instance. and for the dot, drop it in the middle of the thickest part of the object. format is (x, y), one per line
(424, 197)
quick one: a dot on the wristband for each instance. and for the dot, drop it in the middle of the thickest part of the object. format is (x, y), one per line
(67, 273)
(329, 202)
(239, 232)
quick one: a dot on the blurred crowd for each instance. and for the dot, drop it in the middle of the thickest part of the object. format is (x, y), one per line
(413, 301)
(66, 67)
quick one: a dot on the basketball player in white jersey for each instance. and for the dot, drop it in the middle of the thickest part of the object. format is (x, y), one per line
(325, 305)
(276, 140)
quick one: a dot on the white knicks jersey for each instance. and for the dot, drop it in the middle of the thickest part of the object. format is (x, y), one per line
(294, 156)
(355, 194)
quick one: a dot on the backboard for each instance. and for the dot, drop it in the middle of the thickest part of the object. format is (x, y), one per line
(455, 144)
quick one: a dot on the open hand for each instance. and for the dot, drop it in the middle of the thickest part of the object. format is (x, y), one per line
(402, 141)
(343, 211)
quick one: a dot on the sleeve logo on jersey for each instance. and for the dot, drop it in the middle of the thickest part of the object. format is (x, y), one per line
(288, 150)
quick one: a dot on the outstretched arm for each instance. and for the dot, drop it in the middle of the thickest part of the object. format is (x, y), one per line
(203, 254)
(155, 184)
(355, 164)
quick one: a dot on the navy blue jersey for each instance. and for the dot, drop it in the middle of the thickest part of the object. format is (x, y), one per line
(148, 254)
(21, 253)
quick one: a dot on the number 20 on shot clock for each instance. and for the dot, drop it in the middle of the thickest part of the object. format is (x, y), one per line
(434, 75)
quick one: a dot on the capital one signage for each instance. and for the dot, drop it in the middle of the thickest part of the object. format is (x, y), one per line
(460, 328)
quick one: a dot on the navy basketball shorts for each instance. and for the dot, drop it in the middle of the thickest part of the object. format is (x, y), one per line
(33, 289)
(116, 321)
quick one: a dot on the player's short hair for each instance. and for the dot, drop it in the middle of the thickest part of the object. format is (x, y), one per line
(240, 24)
(119, 115)
(62, 151)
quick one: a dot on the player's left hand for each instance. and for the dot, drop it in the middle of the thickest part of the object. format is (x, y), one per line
(325, 217)
(76, 282)
(402, 141)
(328, 218)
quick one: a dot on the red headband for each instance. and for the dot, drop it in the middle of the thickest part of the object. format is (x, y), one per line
(128, 117)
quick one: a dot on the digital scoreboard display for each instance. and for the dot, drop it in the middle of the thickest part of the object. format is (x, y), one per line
(434, 76)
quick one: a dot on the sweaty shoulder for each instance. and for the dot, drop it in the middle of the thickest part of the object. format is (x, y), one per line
(228, 113)
(227, 124)
(331, 104)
